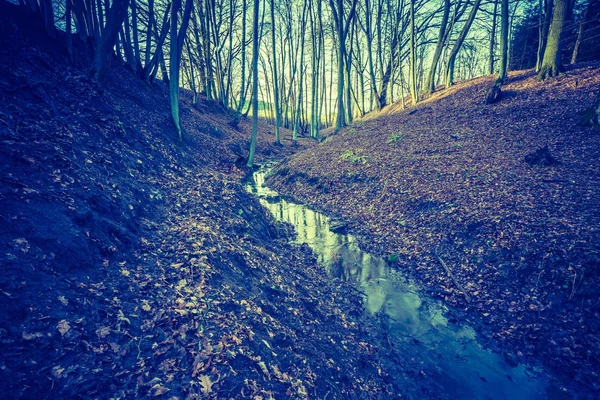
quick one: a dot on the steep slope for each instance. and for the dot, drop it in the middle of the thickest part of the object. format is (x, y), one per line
(136, 266)
(451, 183)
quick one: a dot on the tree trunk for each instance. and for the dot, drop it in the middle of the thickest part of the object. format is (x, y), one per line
(552, 63)
(192, 79)
(341, 119)
(503, 42)
(317, 32)
(255, 48)
(148, 53)
(243, 57)
(580, 33)
(127, 45)
(412, 77)
(430, 83)
(136, 38)
(275, 77)
(204, 28)
(69, 28)
(547, 6)
(175, 50)
(459, 41)
(48, 16)
(104, 51)
(151, 68)
(493, 39)
(369, 33)
(301, 79)
(342, 26)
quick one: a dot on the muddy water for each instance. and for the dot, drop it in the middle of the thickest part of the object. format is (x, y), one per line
(464, 368)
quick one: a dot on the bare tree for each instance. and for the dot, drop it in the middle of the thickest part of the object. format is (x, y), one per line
(175, 49)
(255, 48)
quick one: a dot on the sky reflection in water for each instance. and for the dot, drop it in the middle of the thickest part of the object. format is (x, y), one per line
(463, 367)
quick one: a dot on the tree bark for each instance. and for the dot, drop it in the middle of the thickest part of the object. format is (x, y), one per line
(552, 63)
(547, 6)
(255, 48)
(175, 50)
(430, 83)
(103, 54)
(151, 68)
(459, 41)
(412, 77)
(136, 38)
(48, 16)
(503, 42)
(342, 26)
(275, 77)
(301, 78)
(148, 52)
(580, 33)
(493, 39)
(243, 56)
(369, 34)
(69, 28)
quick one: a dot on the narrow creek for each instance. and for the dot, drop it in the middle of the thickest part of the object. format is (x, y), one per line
(464, 368)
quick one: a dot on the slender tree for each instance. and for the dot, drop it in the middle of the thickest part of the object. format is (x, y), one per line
(298, 114)
(580, 32)
(275, 77)
(430, 83)
(503, 41)
(412, 77)
(492, 60)
(342, 25)
(175, 50)
(459, 42)
(255, 48)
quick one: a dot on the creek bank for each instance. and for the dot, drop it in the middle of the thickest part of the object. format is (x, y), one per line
(463, 368)
(450, 182)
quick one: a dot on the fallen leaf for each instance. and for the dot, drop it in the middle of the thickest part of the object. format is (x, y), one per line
(57, 371)
(146, 306)
(103, 332)
(158, 390)
(31, 336)
(63, 327)
(206, 384)
(122, 317)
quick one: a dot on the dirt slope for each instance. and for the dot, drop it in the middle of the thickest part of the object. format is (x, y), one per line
(135, 266)
(448, 181)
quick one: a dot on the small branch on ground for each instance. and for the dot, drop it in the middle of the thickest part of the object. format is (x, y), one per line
(458, 285)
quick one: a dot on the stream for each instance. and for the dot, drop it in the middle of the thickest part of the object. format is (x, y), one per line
(463, 367)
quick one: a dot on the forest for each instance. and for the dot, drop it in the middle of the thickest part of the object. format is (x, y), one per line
(312, 199)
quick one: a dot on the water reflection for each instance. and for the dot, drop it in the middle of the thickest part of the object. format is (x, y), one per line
(466, 370)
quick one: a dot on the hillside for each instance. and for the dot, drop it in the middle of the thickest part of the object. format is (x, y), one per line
(136, 266)
(452, 184)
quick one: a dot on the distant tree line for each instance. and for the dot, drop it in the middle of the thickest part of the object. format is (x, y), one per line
(314, 63)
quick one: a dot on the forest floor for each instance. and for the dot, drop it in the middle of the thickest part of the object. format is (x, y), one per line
(452, 181)
(136, 266)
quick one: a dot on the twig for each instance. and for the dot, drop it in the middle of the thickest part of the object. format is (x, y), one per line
(380, 197)
(458, 286)
(14, 183)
